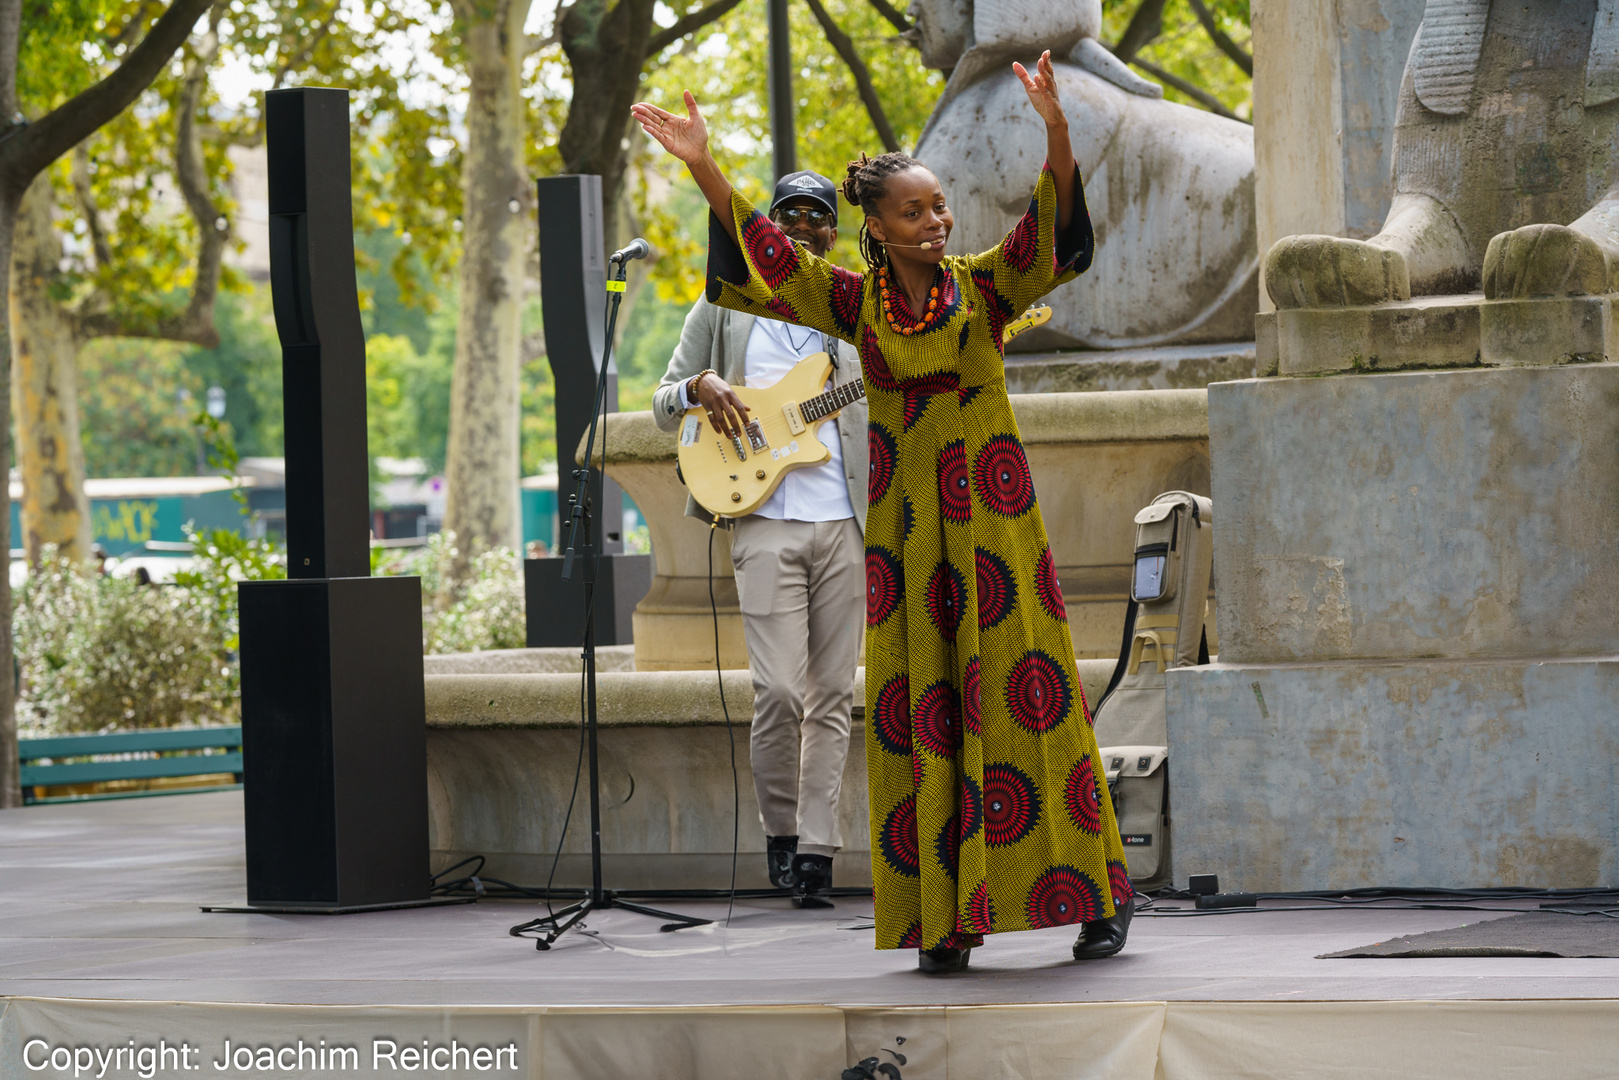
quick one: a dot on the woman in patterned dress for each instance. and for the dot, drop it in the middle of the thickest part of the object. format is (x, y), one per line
(989, 810)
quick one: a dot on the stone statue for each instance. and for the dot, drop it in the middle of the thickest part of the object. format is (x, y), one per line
(1171, 189)
(1507, 121)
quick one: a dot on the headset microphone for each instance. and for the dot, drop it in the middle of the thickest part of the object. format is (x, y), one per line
(925, 245)
(637, 249)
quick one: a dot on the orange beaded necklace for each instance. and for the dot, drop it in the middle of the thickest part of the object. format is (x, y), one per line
(885, 292)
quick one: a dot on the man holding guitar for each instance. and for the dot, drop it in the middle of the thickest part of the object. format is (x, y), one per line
(799, 557)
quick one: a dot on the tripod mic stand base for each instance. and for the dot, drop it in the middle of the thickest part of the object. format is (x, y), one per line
(548, 928)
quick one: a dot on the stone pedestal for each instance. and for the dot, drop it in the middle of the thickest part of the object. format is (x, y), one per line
(1418, 679)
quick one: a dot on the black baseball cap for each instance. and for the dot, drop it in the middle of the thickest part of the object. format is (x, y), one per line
(811, 185)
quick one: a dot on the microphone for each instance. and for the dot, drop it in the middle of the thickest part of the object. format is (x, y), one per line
(638, 249)
(926, 245)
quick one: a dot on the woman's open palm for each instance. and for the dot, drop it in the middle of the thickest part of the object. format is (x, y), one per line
(1041, 87)
(686, 137)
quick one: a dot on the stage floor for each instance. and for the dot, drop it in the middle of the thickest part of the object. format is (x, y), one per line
(101, 900)
(100, 931)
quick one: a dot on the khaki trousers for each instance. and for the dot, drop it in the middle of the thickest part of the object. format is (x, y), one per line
(802, 590)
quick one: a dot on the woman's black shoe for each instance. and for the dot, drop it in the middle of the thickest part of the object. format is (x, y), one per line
(813, 874)
(942, 961)
(1105, 937)
(779, 851)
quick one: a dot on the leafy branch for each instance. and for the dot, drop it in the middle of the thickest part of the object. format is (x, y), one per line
(844, 45)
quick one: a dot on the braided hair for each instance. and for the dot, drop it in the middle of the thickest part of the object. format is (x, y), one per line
(865, 183)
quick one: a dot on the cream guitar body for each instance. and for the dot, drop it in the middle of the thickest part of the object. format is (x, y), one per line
(733, 477)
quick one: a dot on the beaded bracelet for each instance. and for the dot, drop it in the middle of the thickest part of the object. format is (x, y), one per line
(691, 384)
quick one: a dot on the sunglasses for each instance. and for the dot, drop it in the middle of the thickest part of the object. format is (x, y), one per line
(791, 215)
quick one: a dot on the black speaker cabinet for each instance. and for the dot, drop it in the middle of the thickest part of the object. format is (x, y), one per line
(556, 608)
(334, 714)
(334, 742)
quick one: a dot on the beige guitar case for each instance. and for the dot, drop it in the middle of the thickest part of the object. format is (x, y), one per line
(1164, 628)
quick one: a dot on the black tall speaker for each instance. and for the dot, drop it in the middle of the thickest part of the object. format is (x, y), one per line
(334, 712)
(573, 294)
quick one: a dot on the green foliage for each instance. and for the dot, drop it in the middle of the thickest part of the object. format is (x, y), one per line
(246, 365)
(484, 610)
(52, 46)
(221, 558)
(100, 653)
(1184, 49)
(133, 421)
(408, 394)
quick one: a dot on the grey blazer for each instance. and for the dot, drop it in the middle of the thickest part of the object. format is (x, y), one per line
(716, 337)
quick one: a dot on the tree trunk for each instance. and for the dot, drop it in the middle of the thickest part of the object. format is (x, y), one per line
(603, 49)
(44, 398)
(483, 464)
(10, 786)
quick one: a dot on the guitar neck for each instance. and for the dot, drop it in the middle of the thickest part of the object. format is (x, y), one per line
(834, 399)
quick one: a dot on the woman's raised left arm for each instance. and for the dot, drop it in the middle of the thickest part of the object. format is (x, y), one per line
(1041, 87)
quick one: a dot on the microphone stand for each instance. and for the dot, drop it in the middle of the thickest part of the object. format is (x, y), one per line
(550, 927)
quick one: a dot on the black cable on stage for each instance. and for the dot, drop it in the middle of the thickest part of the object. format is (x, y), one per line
(719, 678)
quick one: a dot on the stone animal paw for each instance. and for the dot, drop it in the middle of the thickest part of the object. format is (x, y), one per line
(1330, 271)
(1542, 261)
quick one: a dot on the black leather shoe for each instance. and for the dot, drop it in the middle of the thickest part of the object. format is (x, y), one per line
(813, 874)
(942, 961)
(779, 851)
(1105, 937)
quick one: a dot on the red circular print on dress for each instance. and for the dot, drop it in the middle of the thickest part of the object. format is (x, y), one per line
(947, 845)
(782, 309)
(997, 592)
(1063, 896)
(970, 704)
(936, 720)
(1037, 693)
(873, 365)
(773, 255)
(972, 809)
(955, 489)
(1083, 796)
(899, 839)
(912, 938)
(891, 716)
(848, 289)
(1001, 477)
(1022, 242)
(1048, 588)
(943, 598)
(931, 384)
(882, 585)
(881, 450)
(976, 914)
(1011, 805)
(1119, 878)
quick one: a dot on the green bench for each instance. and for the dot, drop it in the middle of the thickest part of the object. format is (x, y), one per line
(128, 755)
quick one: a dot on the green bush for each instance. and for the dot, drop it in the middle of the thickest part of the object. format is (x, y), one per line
(100, 654)
(106, 654)
(483, 612)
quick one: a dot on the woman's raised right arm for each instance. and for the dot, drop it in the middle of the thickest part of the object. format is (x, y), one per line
(687, 139)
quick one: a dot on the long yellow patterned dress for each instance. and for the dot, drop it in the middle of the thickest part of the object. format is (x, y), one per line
(988, 804)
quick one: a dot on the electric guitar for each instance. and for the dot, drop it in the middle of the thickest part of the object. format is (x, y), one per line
(733, 477)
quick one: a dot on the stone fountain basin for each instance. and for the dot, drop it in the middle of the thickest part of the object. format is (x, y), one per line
(502, 748)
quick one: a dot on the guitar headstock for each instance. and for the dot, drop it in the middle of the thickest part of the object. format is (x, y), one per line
(1035, 316)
